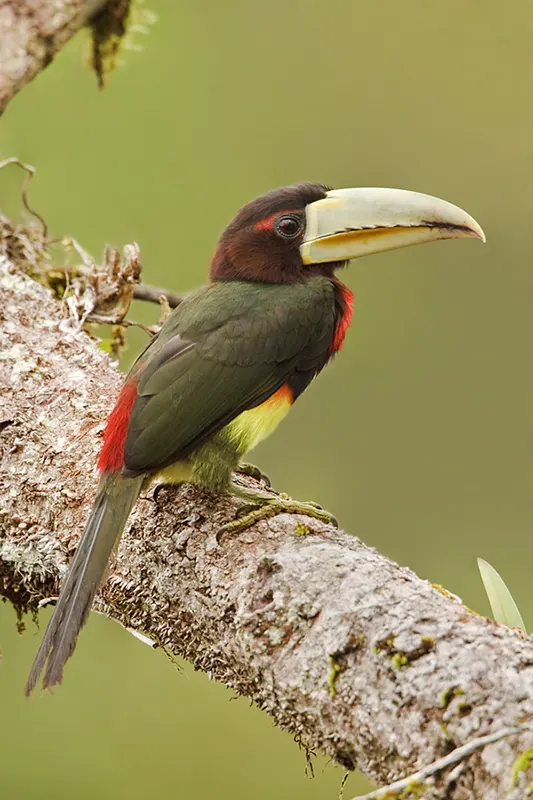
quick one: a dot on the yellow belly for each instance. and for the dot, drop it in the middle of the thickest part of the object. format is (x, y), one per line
(179, 472)
(254, 425)
(210, 465)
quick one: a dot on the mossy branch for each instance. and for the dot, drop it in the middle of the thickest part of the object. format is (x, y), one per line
(343, 648)
(32, 33)
(348, 651)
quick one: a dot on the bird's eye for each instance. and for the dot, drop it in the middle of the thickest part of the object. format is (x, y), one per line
(289, 226)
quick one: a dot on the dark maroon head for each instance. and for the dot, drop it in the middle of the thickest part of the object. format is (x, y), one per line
(262, 242)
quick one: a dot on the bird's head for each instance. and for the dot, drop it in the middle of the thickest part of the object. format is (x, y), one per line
(290, 233)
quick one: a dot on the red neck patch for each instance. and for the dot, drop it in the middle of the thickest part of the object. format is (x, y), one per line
(345, 296)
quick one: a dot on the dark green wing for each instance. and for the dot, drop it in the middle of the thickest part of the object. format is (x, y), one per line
(225, 349)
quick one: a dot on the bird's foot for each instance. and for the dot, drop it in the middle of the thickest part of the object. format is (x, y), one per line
(261, 506)
(158, 489)
(253, 472)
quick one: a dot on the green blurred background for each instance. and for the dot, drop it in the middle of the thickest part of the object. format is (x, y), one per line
(418, 437)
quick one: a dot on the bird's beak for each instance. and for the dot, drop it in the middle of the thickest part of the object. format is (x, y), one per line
(349, 223)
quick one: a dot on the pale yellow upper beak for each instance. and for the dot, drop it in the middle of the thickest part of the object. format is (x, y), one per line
(349, 223)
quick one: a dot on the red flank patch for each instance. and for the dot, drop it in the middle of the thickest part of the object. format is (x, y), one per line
(112, 453)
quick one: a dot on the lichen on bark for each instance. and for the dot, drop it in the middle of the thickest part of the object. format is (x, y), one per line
(266, 610)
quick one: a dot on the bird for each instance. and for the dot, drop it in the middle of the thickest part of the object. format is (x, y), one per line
(230, 361)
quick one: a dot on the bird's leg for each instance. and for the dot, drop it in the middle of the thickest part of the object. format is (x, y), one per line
(267, 505)
(253, 472)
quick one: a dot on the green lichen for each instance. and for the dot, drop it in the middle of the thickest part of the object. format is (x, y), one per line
(521, 764)
(446, 732)
(385, 646)
(448, 695)
(443, 591)
(302, 529)
(399, 660)
(334, 672)
(414, 791)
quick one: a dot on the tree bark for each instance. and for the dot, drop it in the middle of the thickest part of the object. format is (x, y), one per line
(348, 651)
(31, 33)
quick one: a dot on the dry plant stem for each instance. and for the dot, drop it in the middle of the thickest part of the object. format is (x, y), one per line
(31, 33)
(30, 172)
(348, 651)
(153, 294)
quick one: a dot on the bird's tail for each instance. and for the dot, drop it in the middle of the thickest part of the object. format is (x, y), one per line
(115, 498)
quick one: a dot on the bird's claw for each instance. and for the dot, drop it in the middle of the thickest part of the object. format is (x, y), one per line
(251, 513)
(245, 509)
(254, 472)
(157, 491)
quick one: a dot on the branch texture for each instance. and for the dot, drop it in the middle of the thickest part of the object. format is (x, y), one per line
(31, 33)
(346, 650)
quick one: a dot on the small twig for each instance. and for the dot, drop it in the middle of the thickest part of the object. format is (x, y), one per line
(455, 774)
(47, 601)
(142, 638)
(30, 170)
(138, 635)
(459, 754)
(152, 294)
(98, 319)
(69, 243)
(165, 309)
(343, 784)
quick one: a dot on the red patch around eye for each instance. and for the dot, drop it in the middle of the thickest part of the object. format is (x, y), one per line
(112, 453)
(267, 224)
(344, 322)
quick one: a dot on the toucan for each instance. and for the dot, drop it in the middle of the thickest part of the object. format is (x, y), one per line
(230, 361)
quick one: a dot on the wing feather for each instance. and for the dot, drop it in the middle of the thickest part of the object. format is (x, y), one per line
(224, 350)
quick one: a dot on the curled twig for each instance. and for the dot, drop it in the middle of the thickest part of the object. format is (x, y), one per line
(105, 293)
(30, 172)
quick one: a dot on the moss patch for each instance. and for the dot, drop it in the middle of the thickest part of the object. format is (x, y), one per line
(334, 672)
(401, 658)
(448, 695)
(521, 764)
(301, 529)
(108, 28)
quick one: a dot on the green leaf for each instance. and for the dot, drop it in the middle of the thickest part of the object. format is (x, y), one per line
(504, 608)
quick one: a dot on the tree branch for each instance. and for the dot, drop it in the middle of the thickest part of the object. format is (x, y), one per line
(153, 294)
(348, 651)
(31, 33)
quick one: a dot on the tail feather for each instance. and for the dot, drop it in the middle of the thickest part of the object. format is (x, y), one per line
(114, 500)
